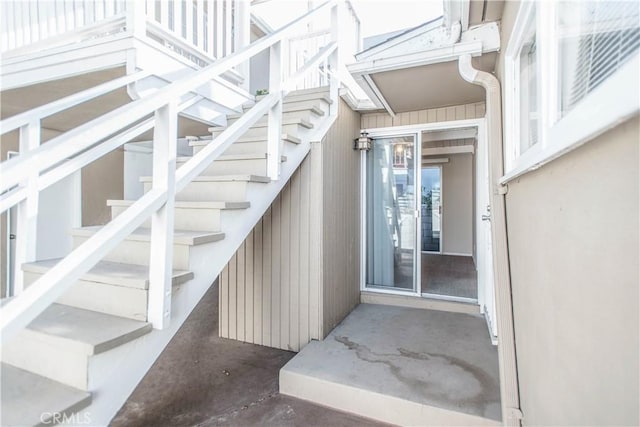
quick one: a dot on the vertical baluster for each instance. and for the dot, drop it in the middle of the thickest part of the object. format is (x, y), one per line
(150, 11)
(78, 10)
(9, 32)
(178, 12)
(99, 7)
(27, 219)
(274, 130)
(200, 24)
(164, 13)
(188, 13)
(161, 256)
(17, 11)
(89, 14)
(210, 28)
(219, 28)
(242, 27)
(109, 8)
(334, 61)
(35, 24)
(228, 27)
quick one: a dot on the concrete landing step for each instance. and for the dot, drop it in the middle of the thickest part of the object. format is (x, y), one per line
(402, 366)
(112, 273)
(32, 400)
(60, 343)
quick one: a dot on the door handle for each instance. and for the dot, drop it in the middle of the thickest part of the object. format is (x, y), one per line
(486, 217)
(12, 236)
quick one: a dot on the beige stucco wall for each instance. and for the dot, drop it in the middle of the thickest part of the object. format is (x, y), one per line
(297, 273)
(102, 180)
(573, 249)
(457, 204)
(573, 246)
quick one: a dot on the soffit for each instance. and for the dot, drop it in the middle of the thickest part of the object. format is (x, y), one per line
(431, 86)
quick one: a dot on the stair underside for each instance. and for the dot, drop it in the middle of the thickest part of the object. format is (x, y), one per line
(29, 399)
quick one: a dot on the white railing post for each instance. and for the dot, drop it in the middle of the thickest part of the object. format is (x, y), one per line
(165, 138)
(27, 220)
(274, 132)
(334, 61)
(136, 18)
(242, 36)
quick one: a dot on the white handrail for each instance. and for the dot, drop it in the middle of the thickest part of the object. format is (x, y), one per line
(76, 140)
(158, 202)
(14, 122)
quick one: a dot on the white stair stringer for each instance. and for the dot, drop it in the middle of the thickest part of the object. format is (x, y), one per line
(118, 371)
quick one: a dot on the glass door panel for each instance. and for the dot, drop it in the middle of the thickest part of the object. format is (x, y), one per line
(391, 208)
(431, 206)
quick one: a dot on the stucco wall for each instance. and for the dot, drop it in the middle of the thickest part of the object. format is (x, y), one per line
(573, 246)
(573, 249)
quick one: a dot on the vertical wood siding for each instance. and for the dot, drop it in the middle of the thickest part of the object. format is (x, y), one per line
(456, 112)
(296, 274)
(341, 219)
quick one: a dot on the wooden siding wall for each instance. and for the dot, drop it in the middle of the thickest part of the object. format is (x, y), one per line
(274, 291)
(341, 218)
(456, 112)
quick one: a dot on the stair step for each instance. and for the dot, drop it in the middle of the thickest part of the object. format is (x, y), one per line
(111, 273)
(314, 106)
(252, 163)
(60, 342)
(197, 216)
(263, 123)
(111, 288)
(215, 187)
(294, 128)
(32, 400)
(301, 114)
(135, 248)
(244, 145)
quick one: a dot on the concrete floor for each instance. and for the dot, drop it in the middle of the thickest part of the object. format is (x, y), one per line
(427, 358)
(203, 380)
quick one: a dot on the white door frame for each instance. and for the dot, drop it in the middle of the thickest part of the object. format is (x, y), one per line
(485, 290)
(441, 251)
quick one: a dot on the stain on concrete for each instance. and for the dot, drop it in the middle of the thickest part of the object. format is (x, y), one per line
(437, 379)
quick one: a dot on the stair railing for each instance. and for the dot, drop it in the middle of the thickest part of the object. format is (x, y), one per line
(23, 177)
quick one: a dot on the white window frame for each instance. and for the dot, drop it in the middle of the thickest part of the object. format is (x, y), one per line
(612, 102)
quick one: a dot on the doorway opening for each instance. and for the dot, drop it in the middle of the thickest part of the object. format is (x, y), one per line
(426, 231)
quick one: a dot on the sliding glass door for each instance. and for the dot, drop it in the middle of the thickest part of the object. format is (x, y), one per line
(391, 206)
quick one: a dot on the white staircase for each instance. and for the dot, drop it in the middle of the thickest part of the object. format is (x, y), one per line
(75, 346)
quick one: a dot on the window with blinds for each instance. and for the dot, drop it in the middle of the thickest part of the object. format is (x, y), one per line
(596, 38)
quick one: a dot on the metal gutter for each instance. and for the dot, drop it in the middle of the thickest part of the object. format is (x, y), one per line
(510, 397)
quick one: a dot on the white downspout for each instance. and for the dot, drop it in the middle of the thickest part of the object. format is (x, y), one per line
(511, 414)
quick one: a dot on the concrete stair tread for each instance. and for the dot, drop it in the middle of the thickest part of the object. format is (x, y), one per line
(223, 178)
(285, 137)
(232, 157)
(112, 273)
(26, 397)
(315, 109)
(259, 124)
(86, 331)
(191, 204)
(182, 237)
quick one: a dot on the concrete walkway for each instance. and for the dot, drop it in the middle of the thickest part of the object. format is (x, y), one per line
(203, 380)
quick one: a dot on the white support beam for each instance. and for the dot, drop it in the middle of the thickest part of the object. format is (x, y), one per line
(274, 130)
(450, 134)
(456, 149)
(165, 139)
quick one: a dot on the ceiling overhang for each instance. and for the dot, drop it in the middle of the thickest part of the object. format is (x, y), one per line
(401, 73)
